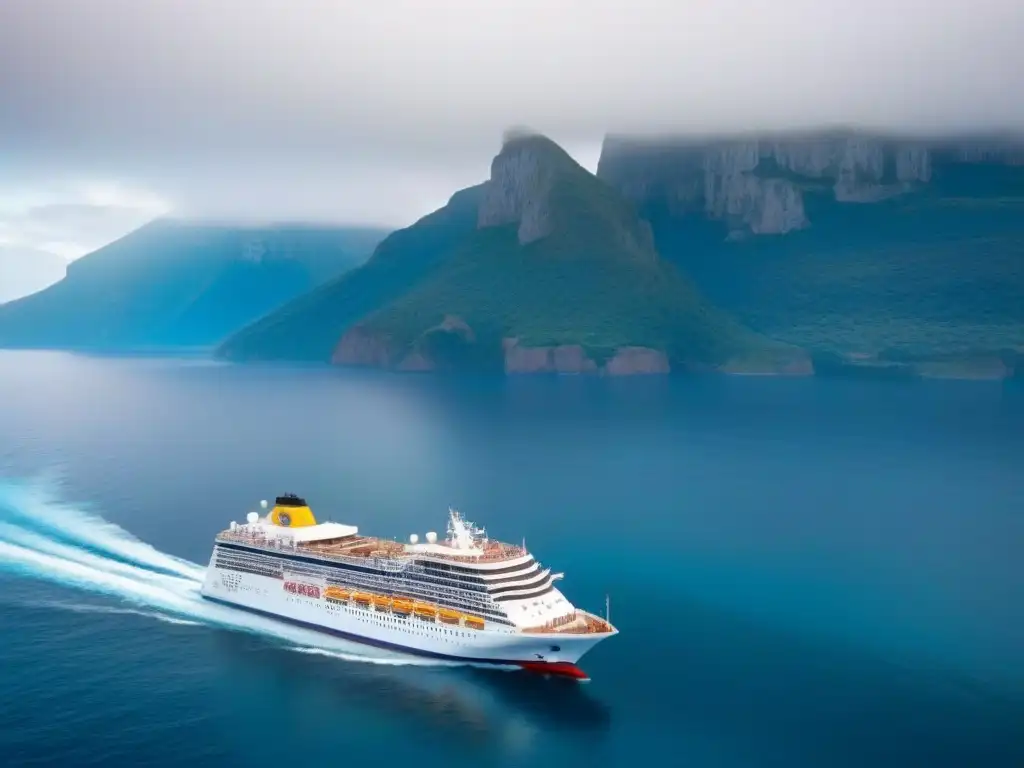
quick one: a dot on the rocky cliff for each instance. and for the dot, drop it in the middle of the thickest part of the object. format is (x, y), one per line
(574, 359)
(757, 185)
(519, 191)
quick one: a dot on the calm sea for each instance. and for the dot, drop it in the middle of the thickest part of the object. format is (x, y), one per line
(805, 573)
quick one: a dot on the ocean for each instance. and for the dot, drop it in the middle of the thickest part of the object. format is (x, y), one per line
(805, 573)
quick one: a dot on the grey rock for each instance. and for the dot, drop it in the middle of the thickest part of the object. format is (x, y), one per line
(518, 192)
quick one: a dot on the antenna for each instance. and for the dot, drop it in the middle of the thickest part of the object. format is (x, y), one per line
(607, 610)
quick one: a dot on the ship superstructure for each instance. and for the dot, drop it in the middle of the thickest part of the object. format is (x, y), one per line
(466, 597)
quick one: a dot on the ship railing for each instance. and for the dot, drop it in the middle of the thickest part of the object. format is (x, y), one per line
(429, 583)
(575, 623)
(389, 553)
(400, 587)
(412, 590)
(493, 553)
(448, 588)
(390, 563)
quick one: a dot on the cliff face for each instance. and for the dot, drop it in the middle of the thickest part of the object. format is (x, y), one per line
(368, 348)
(518, 192)
(359, 347)
(757, 185)
(573, 359)
(535, 185)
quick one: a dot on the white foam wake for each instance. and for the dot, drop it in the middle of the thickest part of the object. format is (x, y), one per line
(44, 538)
(36, 508)
(113, 611)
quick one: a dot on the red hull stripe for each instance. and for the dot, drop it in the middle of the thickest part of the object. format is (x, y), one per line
(559, 668)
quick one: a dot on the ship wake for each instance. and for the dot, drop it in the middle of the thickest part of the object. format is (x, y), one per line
(44, 538)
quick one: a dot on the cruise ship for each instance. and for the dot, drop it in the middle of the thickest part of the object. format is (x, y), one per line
(466, 598)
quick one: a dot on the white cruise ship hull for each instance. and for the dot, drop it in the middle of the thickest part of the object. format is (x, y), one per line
(495, 644)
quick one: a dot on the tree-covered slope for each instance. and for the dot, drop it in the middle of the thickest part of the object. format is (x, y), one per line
(308, 328)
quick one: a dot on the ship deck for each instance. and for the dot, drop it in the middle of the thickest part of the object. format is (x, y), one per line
(576, 623)
(371, 547)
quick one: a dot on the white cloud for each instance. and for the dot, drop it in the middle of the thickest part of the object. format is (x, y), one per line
(73, 219)
(376, 111)
(24, 271)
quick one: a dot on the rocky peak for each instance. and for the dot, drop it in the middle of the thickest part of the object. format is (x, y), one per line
(519, 190)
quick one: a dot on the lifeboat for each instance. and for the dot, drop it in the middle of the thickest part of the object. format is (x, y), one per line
(448, 616)
(401, 606)
(474, 622)
(381, 603)
(425, 611)
(362, 598)
(337, 593)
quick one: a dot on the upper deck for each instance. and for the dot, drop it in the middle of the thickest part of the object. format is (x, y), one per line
(464, 545)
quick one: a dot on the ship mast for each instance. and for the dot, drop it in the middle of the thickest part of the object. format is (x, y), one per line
(463, 534)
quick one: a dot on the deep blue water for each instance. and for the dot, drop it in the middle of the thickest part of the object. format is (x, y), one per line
(804, 573)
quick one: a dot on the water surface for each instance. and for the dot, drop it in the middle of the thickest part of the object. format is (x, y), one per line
(804, 573)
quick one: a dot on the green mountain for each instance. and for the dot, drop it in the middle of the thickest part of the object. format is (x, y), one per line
(542, 268)
(879, 255)
(309, 327)
(178, 284)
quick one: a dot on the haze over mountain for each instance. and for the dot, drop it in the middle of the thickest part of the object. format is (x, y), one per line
(374, 113)
(179, 284)
(26, 270)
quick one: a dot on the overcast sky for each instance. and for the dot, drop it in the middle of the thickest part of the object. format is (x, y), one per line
(113, 111)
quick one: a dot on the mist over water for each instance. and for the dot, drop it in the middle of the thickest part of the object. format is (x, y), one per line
(803, 573)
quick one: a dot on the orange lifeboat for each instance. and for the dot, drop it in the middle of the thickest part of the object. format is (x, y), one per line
(474, 622)
(448, 616)
(337, 593)
(425, 610)
(381, 603)
(362, 598)
(402, 606)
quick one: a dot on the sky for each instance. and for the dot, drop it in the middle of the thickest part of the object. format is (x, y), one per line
(113, 112)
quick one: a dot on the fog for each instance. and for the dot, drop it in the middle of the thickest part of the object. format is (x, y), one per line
(374, 112)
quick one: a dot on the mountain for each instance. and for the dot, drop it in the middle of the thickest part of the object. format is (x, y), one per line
(309, 327)
(179, 284)
(889, 255)
(542, 268)
(26, 270)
